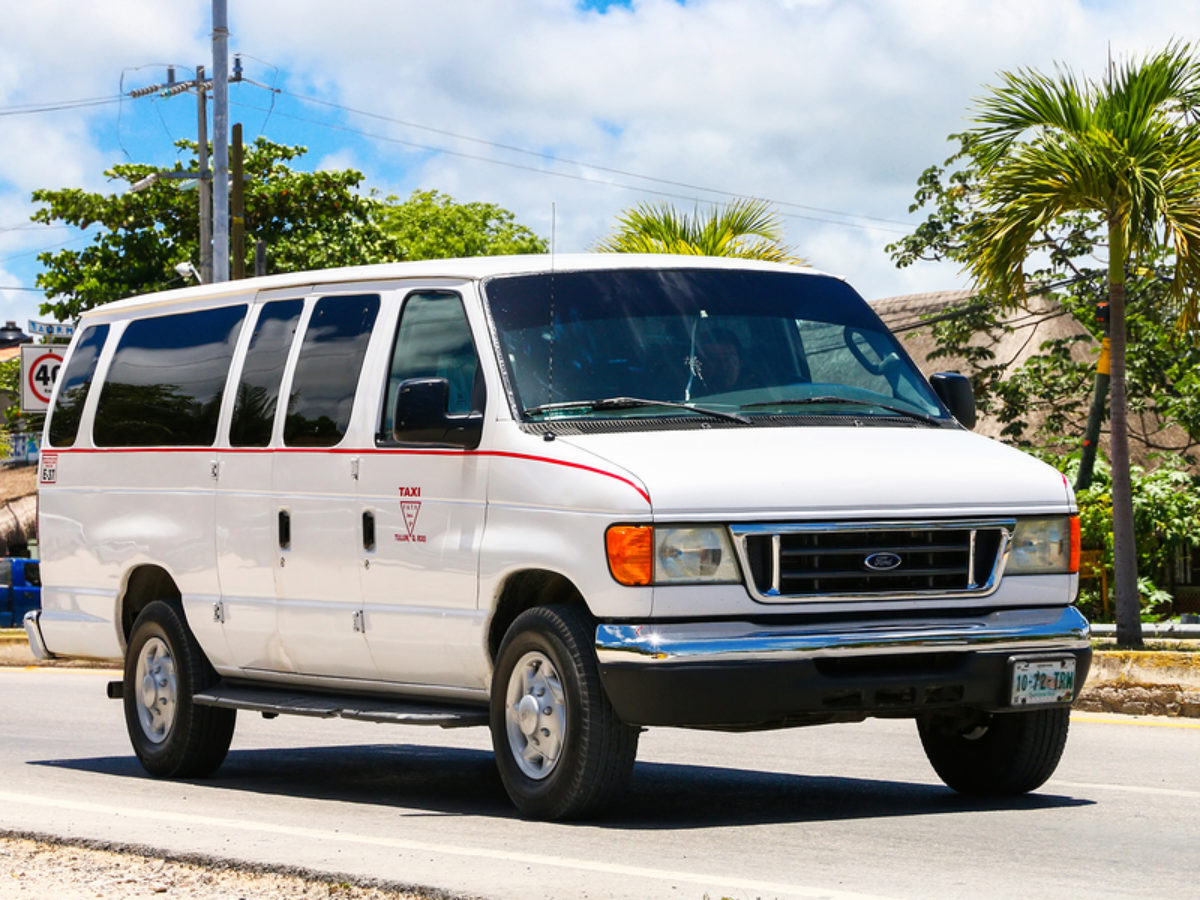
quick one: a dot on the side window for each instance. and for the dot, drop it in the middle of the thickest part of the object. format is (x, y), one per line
(433, 340)
(327, 371)
(258, 390)
(166, 380)
(76, 381)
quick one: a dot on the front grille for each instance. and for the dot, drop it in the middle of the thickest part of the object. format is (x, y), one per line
(867, 560)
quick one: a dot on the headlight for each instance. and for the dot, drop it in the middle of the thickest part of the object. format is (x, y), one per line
(1044, 546)
(644, 554)
(693, 554)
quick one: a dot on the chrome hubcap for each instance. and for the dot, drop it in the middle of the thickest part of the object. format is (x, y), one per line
(536, 715)
(157, 690)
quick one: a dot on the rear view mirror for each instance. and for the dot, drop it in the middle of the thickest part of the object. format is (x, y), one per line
(421, 417)
(956, 392)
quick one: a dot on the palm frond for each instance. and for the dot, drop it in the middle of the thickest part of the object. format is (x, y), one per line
(743, 228)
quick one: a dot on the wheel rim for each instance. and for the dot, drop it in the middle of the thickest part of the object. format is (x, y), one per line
(535, 715)
(156, 689)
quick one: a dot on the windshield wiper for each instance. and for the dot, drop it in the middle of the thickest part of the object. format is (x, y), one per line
(635, 403)
(853, 401)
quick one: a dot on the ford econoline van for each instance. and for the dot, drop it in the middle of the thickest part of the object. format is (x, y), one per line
(564, 497)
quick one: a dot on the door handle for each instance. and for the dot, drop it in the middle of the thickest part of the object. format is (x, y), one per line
(285, 529)
(368, 529)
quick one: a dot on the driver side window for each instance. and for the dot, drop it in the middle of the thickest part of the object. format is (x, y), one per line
(433, 340)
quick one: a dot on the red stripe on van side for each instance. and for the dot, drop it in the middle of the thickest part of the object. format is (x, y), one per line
(500, 454)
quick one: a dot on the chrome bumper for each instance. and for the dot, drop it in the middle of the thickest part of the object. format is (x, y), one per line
(34, 632)
(655, 644)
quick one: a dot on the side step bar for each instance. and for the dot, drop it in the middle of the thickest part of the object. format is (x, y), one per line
(276, 701)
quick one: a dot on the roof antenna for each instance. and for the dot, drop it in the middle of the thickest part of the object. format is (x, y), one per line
(550, 358)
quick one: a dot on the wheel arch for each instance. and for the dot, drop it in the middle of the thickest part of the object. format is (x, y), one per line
(524, 590)
(143, 585)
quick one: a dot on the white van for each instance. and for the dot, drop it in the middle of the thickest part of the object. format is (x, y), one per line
(567, 497)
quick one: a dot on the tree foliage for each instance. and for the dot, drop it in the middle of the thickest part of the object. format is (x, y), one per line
(1166, 509)
(309, 220)
(1060, 155)
(743, 228)
(1042, 402)
(431, 225)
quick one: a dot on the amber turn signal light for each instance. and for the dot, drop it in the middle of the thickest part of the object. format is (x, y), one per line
(1076, 542)
(631, 553)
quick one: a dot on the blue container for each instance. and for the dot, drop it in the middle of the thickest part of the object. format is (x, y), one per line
(20, 589)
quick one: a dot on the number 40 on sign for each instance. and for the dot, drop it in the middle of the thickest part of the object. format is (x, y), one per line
(40, 365)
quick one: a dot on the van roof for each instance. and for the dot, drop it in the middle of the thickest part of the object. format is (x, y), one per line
(472, 268)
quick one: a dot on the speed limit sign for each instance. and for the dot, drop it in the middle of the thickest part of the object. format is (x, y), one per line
(40, 365)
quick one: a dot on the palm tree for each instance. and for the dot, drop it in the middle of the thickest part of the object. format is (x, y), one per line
(1126, 149)
(743, 228)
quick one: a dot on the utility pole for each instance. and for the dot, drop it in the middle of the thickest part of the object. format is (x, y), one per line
(220, 43)
(237, 208)
(205, 186)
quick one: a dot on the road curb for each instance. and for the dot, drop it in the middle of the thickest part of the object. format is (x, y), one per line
(1143, 683)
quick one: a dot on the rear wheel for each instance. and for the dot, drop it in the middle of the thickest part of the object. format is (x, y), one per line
(560, 748)
(164, 669)
(999, 754)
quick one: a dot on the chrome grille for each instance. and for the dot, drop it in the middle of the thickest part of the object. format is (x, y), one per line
(869, 560)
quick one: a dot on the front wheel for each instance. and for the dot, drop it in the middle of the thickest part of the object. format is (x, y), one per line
(560, 748)
(999, 754)
(164, 668)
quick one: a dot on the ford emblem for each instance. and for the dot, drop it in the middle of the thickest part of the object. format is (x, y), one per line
(882, 562)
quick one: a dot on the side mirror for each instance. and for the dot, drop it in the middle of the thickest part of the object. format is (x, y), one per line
(956, 392)
(421, 416)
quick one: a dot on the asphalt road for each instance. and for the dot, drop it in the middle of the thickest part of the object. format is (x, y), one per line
(836, 811)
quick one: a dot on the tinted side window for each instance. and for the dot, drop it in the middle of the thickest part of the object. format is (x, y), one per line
(433, 340)
(76, 380)
(327, 371)
(166, 380)
(258, 390)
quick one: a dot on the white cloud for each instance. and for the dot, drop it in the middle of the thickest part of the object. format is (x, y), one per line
(836, 104)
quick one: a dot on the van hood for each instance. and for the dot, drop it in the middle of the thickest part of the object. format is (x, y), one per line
(815, 472)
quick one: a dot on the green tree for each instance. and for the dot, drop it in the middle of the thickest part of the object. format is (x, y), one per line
(431, 225)
(743, 228)
(1125, 149)
(309, 220)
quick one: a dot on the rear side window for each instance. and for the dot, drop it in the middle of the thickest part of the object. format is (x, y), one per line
(331, 358)
(258, 390)
(76, 381)
(166, 380)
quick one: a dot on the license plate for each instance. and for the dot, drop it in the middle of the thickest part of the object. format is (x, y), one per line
(1036, 681)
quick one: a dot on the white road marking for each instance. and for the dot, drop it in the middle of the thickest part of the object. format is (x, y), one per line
(508, 856)
(1125, 788)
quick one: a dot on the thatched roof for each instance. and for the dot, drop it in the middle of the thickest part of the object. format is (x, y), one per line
(1042, 320)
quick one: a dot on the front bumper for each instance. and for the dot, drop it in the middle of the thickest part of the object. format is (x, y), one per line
(747, 675)
(33, 630)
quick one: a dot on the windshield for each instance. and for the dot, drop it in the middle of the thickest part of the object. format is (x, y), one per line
(614, 343)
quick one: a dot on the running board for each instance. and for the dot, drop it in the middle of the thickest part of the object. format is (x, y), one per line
(274, 701)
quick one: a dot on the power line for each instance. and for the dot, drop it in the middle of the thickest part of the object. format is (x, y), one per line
(57, 106)
(559, 159)
(569, 175)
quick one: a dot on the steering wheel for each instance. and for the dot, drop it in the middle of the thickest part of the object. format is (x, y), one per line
(856, 351)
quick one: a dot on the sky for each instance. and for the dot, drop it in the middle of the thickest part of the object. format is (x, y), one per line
(564, 112)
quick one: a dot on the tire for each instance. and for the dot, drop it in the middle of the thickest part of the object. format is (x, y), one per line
(999, 755)
(560, 748)
(164, 668)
